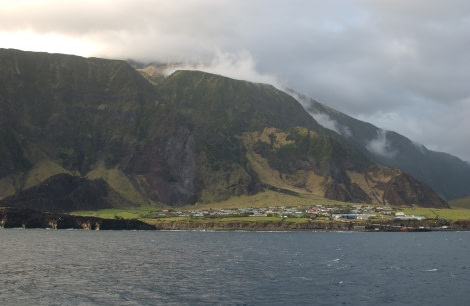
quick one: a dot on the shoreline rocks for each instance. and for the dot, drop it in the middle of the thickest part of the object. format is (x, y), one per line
(28, 218)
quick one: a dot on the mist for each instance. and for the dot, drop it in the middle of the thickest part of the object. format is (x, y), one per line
(396, 64)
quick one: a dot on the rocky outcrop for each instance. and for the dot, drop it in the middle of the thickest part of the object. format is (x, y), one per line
(28, 218)
(404, 190)
(65, 193)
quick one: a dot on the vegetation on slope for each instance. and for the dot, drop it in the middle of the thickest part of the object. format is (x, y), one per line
(461, 203)
(446, 174)
(177, 141)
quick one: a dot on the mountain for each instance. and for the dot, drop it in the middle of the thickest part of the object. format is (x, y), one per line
(83, 133)
(445, 173)
(64, 192)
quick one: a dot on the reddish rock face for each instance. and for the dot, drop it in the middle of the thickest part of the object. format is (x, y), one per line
(404, 190)
(169, 166)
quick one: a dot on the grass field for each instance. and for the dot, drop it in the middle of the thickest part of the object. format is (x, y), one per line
(432, 213)
(267, 198)
(461, 203)
(114, 213)
(459, 209)
(229, 219)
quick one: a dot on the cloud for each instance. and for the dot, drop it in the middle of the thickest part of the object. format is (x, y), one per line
(420, 147)
(439, 127)
(381, 146)
(27, 40)
(325, 121)
(322, 118)
(394, 63)
(239, 66)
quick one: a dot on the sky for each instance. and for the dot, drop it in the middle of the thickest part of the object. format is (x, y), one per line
(401, 65)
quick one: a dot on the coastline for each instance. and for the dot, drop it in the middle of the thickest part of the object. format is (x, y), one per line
(27, 218)
(220, 225)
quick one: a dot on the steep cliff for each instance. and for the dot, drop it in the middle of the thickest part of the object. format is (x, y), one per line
(84, 133)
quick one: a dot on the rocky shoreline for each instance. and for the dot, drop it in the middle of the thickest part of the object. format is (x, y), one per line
(27, 218)
(219, 225)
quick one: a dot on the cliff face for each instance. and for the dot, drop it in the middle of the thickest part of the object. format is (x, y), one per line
(169, 166)
(81, 133)
(404, 190)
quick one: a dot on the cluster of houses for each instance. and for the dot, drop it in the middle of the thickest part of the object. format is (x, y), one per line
(327, 212)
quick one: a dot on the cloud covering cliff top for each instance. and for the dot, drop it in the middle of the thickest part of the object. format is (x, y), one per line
(401, 65)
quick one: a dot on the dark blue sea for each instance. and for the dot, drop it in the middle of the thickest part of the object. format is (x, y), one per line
(74, 267)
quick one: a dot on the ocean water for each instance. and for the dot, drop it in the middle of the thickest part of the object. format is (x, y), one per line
(74, 267)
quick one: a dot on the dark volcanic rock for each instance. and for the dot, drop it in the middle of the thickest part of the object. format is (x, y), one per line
(28, 218)
(169, 165)
(64, 193)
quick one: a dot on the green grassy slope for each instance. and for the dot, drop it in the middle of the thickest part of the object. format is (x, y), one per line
(460, 203)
